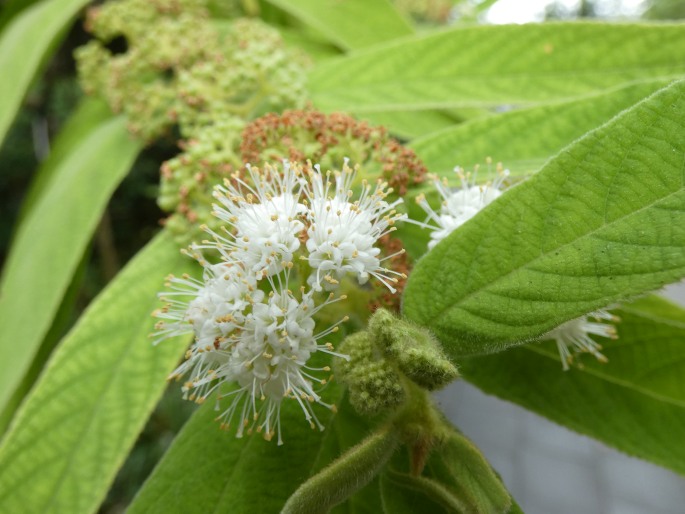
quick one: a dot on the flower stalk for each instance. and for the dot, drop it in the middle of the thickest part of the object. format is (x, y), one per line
(346, 475)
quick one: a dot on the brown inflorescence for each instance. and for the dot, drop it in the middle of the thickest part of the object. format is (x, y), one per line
(327, 139)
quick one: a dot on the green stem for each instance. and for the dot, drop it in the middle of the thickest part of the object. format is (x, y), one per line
(345, 476)
(420, 424)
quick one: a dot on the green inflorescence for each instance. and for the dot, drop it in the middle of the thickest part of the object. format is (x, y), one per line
(179, 68)
(374, 384)
(158, 38)
(188, 179)
(252, 73)
(384, 358)
(415, 350)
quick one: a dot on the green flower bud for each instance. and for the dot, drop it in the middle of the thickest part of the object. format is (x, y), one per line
(416, 352)
(187, 180)
(252, 73)
(162, 37)
(374, 384)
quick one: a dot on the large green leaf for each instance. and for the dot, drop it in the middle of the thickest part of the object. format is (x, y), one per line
(24, 45)
(350, 24)
(498, 65)
(411, 124)
(63, 320)
(10, 8)
(524, 139)
(208, 470)
(51, 239)
(635, 402)
(82, 417)
(602, 221)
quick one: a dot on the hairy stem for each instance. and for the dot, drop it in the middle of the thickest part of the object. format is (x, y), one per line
(345, 476)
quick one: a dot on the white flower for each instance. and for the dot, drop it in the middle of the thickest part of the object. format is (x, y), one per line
(264, 217)
(575, 335)
(460, 205)
(342, 233)
(254, 337)
(260, 342)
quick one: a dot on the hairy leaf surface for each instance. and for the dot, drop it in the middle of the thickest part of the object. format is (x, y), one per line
(51, 240)
(85, 412)
(604, 220)
(523, 140)
(498, 66)
(350, 24)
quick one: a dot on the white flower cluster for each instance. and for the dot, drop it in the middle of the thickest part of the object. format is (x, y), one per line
(574, 334)
(460, 205)
(253, 334)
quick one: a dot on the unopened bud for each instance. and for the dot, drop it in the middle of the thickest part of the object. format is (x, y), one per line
(373, 383)
(417, 353)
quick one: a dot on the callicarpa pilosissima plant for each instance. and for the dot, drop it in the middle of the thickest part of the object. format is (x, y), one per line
(338, 245)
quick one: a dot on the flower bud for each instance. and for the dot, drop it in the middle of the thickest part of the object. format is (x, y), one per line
(374, 384)
(414, 349)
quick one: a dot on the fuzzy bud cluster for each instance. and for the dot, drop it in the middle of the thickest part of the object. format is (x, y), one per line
(383, 358)
(252, 73)
(187, 180)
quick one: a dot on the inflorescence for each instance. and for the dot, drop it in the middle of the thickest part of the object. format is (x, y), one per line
(289, 237)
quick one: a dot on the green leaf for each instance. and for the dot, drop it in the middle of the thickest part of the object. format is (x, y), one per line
(208, 470)
(498, 65)
(635, 402)
(10, 8)
(82, 417)
(525, 139)
(62, 322)
(350, 24)
(89, 113)
(24, 46)
(314, 48)
(522, 140)
(410, 124)
(602, 221)
(461, 468)
(51, 241)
